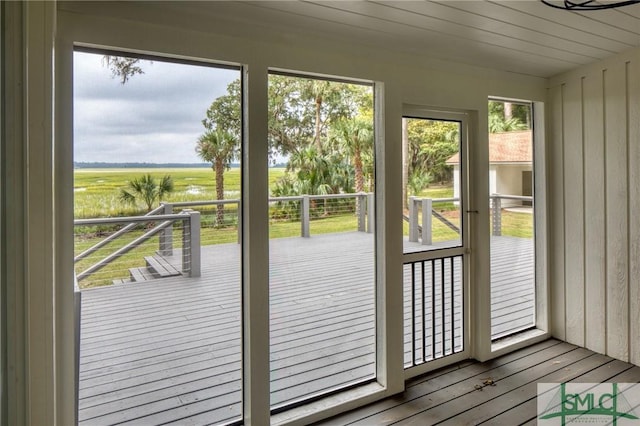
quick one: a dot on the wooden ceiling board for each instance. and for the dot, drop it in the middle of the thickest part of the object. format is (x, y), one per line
(617, 19)
(466, 31)
(524, 27)
(575, 20)
(558, 30)
(517, 36)
(402, 37)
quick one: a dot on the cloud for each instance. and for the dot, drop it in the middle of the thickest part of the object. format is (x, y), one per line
(154, 117)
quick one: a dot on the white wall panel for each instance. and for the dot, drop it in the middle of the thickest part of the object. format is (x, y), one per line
(616, 235)
(574, 210)
(596, 193)
(556, 227)
(633, 93)
(595, 295)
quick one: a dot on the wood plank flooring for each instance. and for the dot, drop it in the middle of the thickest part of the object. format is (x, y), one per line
(460, 394)
(168, 350)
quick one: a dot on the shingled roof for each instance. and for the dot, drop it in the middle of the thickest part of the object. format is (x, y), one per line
(508, 147)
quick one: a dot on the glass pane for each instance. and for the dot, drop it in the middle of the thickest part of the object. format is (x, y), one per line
(512, 219)
(322, 257)
(161, 298)
(431, 184)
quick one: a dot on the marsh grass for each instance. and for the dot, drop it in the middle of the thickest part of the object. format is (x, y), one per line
(96, 190)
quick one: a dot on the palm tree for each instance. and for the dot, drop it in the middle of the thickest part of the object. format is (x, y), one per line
(219, 148)
(147, 189)
(312, 173)
(355, 137)
(312, 169)
(497, 124)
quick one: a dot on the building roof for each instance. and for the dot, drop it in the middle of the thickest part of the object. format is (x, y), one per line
(507, 147)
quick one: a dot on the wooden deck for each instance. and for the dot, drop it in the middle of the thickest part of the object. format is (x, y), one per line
(460, 394)
(169, 350)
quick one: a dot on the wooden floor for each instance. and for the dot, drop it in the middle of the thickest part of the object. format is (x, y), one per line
(169, 350)
(498, 392)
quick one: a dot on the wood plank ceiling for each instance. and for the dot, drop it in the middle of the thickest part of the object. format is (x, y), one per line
(522, 36)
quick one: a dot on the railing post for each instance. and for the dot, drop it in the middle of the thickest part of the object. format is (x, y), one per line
(304, 216)
(413, 220)
(77, 301)
(166, 236)
(239, 221)
(426, 221)
(361, 211)
(191, 244)
(497, 216)
(371, 213)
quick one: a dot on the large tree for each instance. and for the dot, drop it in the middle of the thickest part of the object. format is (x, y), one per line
(431, 144)
(224, 113)
(302, 111)
(428, 144)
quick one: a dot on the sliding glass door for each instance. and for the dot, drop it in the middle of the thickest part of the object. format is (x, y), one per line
(512, 214)
(321, 248)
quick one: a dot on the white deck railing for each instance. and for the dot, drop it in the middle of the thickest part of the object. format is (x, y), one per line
(420, 218)
(421, 215)
(364, 212)
(190, 240)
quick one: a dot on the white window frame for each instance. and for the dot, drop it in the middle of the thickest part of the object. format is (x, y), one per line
(462, 117)
(542, 295)
(255, 249)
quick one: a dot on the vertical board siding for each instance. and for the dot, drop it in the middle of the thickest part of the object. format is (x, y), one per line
(557, 221)
(594, 207)
(594, 139)
(574, 211)
(616, 211)
(633, 120)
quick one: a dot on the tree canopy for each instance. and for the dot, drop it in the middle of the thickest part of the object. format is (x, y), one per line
(123, 67)
(508, 117)
(323, 128)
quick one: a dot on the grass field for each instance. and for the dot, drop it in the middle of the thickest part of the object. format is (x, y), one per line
(97, 190)
(96, 195)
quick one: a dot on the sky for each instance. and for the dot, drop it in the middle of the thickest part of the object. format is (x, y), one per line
(155, 117)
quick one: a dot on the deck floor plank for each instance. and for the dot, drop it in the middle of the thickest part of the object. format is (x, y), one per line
(494, 403)
(525, 412)
(168, 350)
(443, 395)
(450, 396)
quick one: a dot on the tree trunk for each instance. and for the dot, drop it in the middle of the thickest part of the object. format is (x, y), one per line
(317, 130)
(359, 177)
(219, 170)
(508, 111)
(405, 162)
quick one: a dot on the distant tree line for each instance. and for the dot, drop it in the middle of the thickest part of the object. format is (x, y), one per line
(143, 165)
